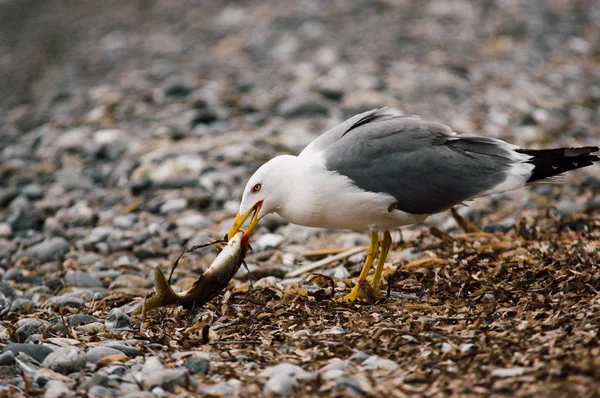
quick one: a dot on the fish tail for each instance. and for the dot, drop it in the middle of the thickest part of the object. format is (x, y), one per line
(163, 294)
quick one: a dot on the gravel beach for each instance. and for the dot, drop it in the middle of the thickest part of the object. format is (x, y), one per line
(128, 131)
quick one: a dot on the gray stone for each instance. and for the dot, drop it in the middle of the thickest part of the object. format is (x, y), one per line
(65, 360)
(57, 389)
(268, 242)
(65, 301)
(99, 392)
(7, 358)
(13, 274)
(4, 304)
(153, 374)
(347, 382)
(376, 362)
(97, 353)
(53, 249)
(303, 104)
(283, 378)
(22, 303)
(35, 351)
(82, 279)
(197, 365)
(117, 319)
(20, 214)
(33, 192)
(81, 319)
(28, 326)
(6, 230)
(174, 205)
(229, 388)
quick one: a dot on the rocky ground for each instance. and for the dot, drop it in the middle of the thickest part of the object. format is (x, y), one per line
(128, 130)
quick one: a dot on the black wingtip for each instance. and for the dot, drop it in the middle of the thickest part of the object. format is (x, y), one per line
(552, 162)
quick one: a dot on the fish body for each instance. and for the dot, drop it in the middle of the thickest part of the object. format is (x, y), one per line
(210, 283)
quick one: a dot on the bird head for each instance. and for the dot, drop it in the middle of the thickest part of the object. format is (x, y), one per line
(262, 195)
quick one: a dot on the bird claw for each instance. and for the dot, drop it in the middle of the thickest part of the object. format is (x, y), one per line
(361, 291)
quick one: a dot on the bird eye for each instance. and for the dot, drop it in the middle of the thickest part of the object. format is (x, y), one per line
(256, 187)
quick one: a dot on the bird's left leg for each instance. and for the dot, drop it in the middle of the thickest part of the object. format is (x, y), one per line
(386, 243)
(362, 289)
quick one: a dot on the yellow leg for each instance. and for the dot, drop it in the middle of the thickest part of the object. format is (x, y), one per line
(362, 289)
(385, 248)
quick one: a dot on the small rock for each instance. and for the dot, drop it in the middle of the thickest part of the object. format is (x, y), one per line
(99, 392)
(97, 353)
(124, 348)
(65, 300)
(174, 205)
(57, 389)
(6, 230)
(7, 358)
(153, 374)
(347, 382)
(33, 192)
(304, 104)
(20, 214)
(22, 304)
(35, 351)
(283, 378)
(65, 360)
(269, 242)
(82, 279)
(509, 372)
(376, 362)
(197, 365)
(358, 356)
(81, 319)
(229, 388)
(4, 304)
(29, 326)
(117, 319)
(53, 249)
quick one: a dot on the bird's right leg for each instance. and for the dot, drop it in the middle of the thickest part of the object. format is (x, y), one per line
(363, 289)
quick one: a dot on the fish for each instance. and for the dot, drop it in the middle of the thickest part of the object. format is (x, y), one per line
(208, 286)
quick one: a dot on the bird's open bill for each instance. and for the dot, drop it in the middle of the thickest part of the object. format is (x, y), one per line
(240, 219)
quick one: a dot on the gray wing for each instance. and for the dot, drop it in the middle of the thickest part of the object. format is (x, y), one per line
(424, 165)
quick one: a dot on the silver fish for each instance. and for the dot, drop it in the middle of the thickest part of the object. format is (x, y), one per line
(210, 283)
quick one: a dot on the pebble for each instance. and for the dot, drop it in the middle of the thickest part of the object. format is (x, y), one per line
(7, 358)
(268, 242)
(65, 360)
(197, 365)
(52, 249)
(35, 351)
(99, 392)
(117, 319)
(57, 389)
(124, 348)
(229, 388)
(154, 374)
(20, 214)
(29, 326)
(376, 362)
(303, 105)
(82, 279)
(283, 378)
(97, 353)
(174, 205)
(6, 230)
(65, 300)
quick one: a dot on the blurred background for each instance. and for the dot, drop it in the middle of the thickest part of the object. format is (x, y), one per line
(147, 96)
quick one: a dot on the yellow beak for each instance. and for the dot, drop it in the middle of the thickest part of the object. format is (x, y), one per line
(240, 219)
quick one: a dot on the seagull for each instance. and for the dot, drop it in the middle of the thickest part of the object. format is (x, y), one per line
(378, 171)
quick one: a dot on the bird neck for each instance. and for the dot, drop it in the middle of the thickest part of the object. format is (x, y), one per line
(302, 191)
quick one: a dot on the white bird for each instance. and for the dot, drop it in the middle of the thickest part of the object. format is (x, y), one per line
(377, 171)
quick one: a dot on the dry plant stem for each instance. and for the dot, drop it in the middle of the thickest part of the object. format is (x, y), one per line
(326, 261)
